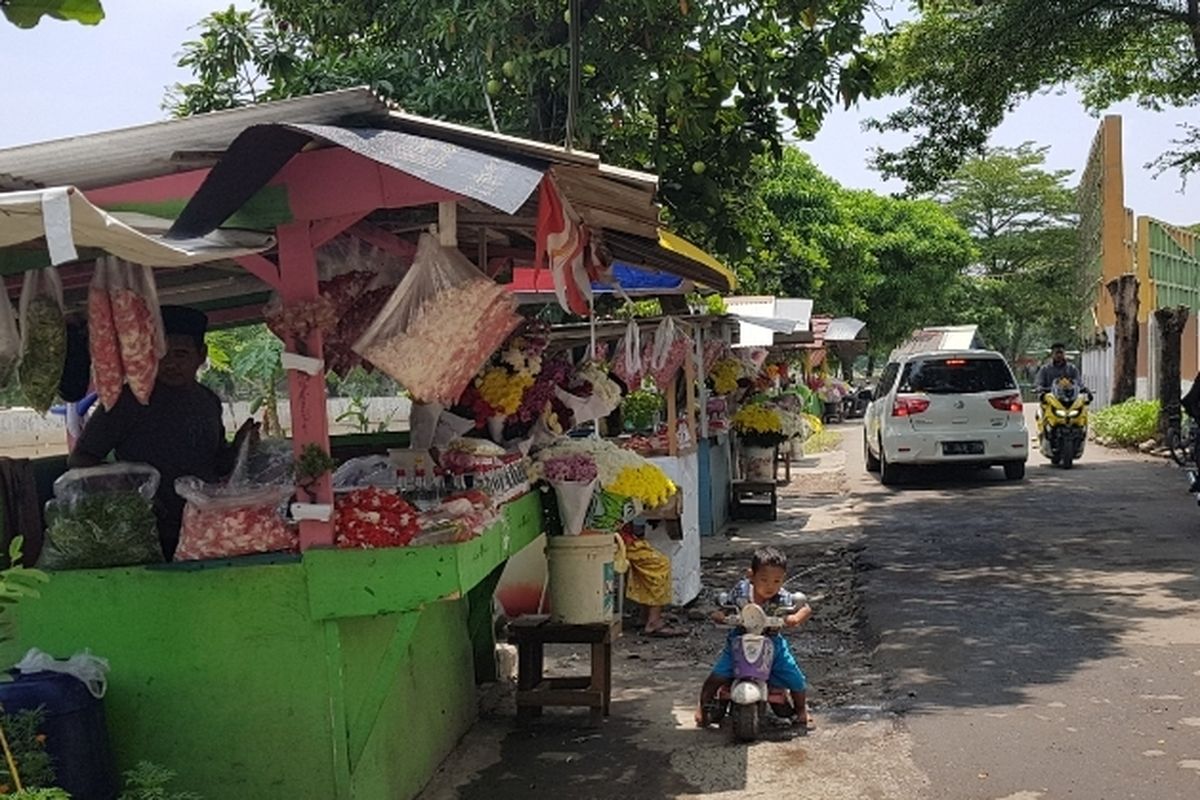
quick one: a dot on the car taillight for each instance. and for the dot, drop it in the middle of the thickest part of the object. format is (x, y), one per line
(1011, 403)
(907, 406)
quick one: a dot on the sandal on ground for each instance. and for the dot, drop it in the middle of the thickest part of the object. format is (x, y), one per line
(664, 632)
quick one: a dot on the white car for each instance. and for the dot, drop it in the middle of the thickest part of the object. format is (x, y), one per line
(946, 407)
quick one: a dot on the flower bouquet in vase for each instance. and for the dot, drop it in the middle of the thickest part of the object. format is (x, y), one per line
(574, 478)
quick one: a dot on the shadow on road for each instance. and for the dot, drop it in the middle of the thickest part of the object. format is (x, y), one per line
(981, 588)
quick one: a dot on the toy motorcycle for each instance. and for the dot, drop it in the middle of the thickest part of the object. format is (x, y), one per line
(748, 698)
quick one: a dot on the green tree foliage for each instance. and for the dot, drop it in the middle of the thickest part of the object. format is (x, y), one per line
(894, 263)
(965, 64)
(244, 364)
(28, 13)
(1024, 288)
(692, 90)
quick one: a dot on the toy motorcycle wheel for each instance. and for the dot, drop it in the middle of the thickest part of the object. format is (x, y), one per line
(714, 714)
(745, 723)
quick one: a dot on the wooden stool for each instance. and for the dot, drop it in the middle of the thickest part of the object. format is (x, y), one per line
(534, 690)
(754, 500)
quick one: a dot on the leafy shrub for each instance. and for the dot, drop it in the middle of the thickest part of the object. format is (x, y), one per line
(148, 781)
(1128, 423)
(825, 441)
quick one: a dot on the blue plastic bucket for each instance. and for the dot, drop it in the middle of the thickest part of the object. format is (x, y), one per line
(76, 733)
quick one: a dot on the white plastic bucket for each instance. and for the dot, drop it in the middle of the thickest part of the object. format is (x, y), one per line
(583, 583)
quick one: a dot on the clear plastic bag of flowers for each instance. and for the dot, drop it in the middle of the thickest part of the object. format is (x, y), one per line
(440, 325)
(222, 520)
(137, 317)
(102, 517)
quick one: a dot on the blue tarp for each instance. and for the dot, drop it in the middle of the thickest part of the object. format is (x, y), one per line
(636, 279)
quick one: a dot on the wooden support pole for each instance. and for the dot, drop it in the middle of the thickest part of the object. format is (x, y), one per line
(1171, 322)
(672, 418)
(689, 377)
(310, 416)
(1124, 291)
(448, 223)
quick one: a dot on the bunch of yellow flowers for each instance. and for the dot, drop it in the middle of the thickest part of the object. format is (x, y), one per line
(725, 374)
(646, 484)
(502, 389)
(757, 418)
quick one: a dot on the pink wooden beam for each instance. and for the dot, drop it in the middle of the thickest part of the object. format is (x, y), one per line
(310, 417)
(179, 186)
(335, 182)
(384, 240)
(262, 268)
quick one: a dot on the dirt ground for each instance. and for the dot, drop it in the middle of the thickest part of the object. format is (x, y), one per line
(650, 747)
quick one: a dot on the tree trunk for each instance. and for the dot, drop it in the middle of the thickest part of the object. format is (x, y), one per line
(1171, 322)
(1124, 291)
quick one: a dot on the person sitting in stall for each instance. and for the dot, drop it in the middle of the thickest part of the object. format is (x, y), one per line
(180, 432)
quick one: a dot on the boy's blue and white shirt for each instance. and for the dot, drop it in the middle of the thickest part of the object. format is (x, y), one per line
(743, 593)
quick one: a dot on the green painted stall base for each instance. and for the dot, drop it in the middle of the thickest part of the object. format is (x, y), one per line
(341, 675)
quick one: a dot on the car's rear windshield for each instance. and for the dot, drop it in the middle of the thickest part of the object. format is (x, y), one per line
(956, 376)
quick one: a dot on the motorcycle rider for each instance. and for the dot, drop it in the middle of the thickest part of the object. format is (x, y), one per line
(1057, 369)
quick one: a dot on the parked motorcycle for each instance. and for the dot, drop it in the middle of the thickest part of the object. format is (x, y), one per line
(748, 698)
(1063, 422)
(854, 405)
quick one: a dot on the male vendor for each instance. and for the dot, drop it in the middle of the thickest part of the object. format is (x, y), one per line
(179, 433)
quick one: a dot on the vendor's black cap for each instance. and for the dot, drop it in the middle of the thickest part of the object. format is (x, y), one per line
(184, 321)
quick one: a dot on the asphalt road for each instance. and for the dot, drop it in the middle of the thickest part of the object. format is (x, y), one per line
(974, 639)
(1042, 637)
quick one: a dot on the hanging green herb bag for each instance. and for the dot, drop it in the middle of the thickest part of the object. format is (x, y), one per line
(43, 337)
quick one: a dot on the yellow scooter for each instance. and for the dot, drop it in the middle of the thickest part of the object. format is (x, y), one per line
(1062, 423)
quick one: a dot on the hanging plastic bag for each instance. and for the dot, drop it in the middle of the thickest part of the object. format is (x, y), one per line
(102, 517)
(10, 343)
(440, 325)
(628, 364)
(138, 320)
(108, 372)
(671, 348)
(43, 337)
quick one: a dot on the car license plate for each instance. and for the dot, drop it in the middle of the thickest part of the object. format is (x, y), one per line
(962, 448)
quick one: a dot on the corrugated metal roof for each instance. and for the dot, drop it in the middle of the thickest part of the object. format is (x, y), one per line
(148, 151)
(844, 329)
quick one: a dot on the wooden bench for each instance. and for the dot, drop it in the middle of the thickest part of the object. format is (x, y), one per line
(535, 690)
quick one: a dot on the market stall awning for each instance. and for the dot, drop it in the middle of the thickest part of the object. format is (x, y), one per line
(765, 320)
(845, 329)
(260, 151)
(532, 285)
(671, 254)
(60, 221)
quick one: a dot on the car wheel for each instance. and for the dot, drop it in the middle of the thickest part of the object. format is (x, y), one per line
(889, 473)
(871, 459)
(1015, 470)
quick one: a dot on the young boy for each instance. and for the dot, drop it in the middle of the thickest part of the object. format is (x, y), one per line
(764, 586)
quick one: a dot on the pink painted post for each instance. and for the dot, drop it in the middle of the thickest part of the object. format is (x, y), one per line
(310, 417)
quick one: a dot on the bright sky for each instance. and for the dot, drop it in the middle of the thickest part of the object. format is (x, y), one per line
(64, 79)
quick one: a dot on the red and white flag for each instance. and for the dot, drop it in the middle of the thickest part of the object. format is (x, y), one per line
(565, 243)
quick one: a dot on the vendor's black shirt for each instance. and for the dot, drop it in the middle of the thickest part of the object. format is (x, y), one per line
(179, 433)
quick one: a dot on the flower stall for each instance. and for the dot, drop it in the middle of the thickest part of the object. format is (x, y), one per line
(336, 595)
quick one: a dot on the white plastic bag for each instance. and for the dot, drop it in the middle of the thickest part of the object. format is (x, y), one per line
(671, 347)
(358, 473)
(628, 364)
(440, 325)
(138, 320)
(43, 337)
(10, 343)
